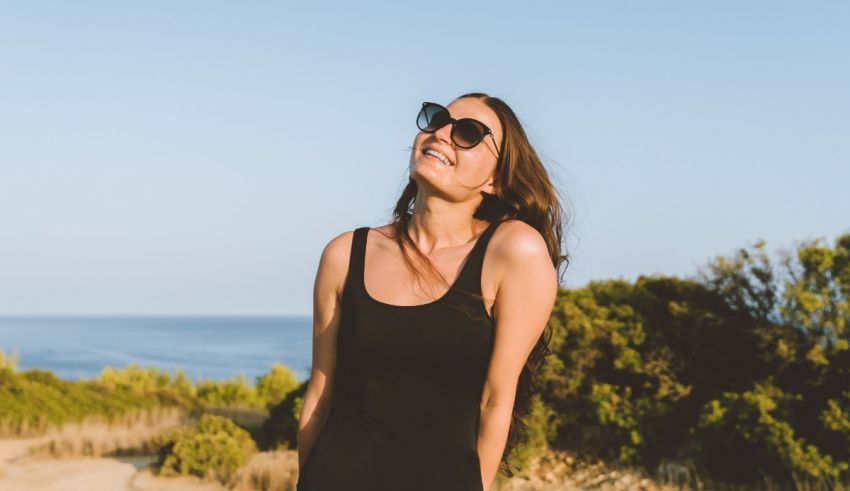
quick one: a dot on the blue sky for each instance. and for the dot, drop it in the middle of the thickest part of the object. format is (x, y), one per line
(195, 157)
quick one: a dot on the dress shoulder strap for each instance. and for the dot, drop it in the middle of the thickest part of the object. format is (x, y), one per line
(470, 279)
(356, 261)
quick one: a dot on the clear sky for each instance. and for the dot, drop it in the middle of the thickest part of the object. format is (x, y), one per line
(195, 157)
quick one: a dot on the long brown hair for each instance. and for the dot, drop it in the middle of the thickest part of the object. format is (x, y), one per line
(524, 192)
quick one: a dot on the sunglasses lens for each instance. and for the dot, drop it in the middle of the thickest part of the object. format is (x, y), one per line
(468, 133)
(432, 117)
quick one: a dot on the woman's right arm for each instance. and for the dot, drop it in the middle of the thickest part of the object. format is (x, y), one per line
(327, 295)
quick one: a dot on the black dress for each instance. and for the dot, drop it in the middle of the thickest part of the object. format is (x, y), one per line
(408, 384)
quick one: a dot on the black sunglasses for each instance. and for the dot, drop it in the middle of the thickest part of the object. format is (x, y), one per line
(466, 132)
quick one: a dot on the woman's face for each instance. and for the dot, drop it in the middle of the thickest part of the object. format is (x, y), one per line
(471, 170)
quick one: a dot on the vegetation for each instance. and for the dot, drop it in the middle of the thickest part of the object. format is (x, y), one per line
(280, 430)
(216, 448)
(269, 389)
(740, 375)
(34, 400)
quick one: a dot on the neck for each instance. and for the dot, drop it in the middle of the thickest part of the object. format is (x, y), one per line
(436, 224)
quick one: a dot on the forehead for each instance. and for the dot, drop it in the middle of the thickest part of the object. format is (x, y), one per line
(470, 107)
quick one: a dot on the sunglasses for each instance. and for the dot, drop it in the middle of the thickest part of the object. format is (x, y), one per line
(466, 132)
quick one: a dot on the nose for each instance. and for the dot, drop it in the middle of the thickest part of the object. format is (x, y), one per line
(445, 133)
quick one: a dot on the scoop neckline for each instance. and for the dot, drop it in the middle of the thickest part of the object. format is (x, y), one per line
(452, 287)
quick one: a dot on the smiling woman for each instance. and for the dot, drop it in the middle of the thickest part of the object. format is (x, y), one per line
(417, 387)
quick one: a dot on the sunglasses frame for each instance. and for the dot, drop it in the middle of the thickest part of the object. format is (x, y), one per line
(454, 122)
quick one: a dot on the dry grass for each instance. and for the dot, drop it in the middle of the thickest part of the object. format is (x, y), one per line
(23, 429)
(130, 436)
(562, 471)
(268, 471)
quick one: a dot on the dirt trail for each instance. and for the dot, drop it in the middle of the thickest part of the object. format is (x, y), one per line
(21, 472)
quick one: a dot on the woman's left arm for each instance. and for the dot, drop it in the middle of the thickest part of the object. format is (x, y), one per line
(527, 289)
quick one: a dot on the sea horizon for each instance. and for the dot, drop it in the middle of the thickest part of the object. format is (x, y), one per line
(78, 346)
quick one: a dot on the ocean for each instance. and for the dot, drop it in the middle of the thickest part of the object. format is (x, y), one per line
(208, 347)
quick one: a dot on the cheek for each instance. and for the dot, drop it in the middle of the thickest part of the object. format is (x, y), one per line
(475, 166)
(417, 142)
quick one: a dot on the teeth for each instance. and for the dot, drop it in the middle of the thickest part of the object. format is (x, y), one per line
(438, 155)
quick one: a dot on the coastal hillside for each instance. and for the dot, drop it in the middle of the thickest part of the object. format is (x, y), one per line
(735, 378)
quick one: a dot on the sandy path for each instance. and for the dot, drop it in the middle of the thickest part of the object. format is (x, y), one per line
(82, 474)
(21, 472)
(12, 448)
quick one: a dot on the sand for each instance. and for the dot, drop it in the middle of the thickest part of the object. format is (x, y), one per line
(20, 471)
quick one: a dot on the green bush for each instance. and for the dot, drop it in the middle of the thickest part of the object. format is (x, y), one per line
(214, 449)
(269, 389)
(275, 385)
(740, 375)
(749, 435)
(236, 391)
(33, 400)
(281, 427)
(147, 379)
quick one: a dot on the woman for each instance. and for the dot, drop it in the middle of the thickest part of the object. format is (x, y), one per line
(419, 387)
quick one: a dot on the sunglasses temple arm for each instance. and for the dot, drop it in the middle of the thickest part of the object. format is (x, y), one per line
(496, 145)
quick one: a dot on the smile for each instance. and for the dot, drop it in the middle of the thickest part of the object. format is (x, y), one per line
(438, 156)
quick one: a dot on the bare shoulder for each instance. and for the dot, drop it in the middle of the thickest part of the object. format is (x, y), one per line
(515, 240)
(338, 248)
(518, 249)
(333, 266)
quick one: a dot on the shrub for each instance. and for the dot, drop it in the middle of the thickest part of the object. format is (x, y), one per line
(215, 449)
(273, 386)
(281, 427)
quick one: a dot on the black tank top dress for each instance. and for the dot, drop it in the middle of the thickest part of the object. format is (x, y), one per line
(406, 405)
